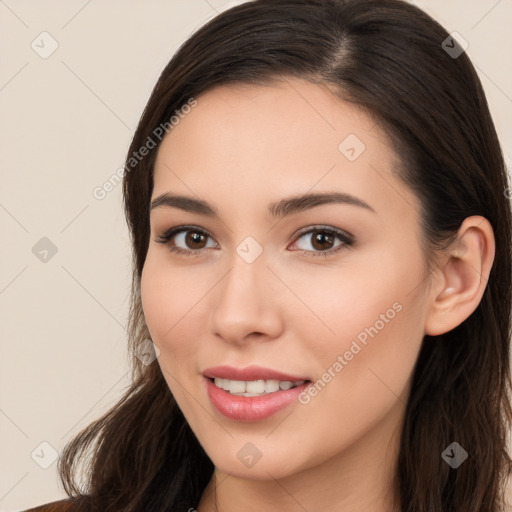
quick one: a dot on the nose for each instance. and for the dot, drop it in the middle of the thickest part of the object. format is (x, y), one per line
(247, 303)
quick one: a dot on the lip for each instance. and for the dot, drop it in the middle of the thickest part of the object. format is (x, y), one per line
(249, 373)
(251, 408)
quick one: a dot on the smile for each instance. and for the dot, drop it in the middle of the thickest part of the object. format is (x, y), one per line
(254, 388)
(247, 406)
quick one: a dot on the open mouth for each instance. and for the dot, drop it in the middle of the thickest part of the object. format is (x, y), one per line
(255, 388)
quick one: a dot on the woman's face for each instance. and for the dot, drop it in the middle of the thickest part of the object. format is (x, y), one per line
(329, 291)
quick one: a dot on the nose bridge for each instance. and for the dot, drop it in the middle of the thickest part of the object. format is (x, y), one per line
(248, 268)
(242, 284)
(244, 301)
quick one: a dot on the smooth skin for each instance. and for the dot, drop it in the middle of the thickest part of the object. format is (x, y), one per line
(295, 309)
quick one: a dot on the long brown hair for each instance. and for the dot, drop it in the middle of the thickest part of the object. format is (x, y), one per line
(392, 60)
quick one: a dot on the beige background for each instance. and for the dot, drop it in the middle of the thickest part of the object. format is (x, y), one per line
(66, 122)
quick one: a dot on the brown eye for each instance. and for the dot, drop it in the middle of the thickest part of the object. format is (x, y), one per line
(323, 241)
(195, 240)
(186, 240)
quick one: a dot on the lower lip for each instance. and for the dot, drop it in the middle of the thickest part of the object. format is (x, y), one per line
(251, 408)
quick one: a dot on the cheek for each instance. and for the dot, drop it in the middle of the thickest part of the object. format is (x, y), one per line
(369, 314)
(165, 305)
(362, 372)
(159, 303)
(174, 301)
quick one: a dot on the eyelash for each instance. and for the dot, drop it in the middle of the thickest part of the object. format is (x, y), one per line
(345, 237)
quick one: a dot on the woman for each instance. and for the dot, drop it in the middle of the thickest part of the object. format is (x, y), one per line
(375, 377)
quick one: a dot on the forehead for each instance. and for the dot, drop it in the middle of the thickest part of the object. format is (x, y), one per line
(241, 142)
(245, 121)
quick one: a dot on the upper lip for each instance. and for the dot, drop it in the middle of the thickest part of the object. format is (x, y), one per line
(249, 373)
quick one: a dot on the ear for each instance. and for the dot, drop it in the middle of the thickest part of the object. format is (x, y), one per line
(460, 281)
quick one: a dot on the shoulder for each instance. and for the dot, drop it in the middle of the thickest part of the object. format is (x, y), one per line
(66, 505)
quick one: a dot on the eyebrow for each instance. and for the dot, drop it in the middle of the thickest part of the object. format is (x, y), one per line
(282, 208)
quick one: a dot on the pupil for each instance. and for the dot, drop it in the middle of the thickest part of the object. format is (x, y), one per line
(194, 238)
(320, 239)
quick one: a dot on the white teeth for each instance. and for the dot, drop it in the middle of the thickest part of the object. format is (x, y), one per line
(236, 386)
(254, 387)
(271, 386)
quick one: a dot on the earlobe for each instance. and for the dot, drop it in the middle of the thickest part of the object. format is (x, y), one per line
(461, 279)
